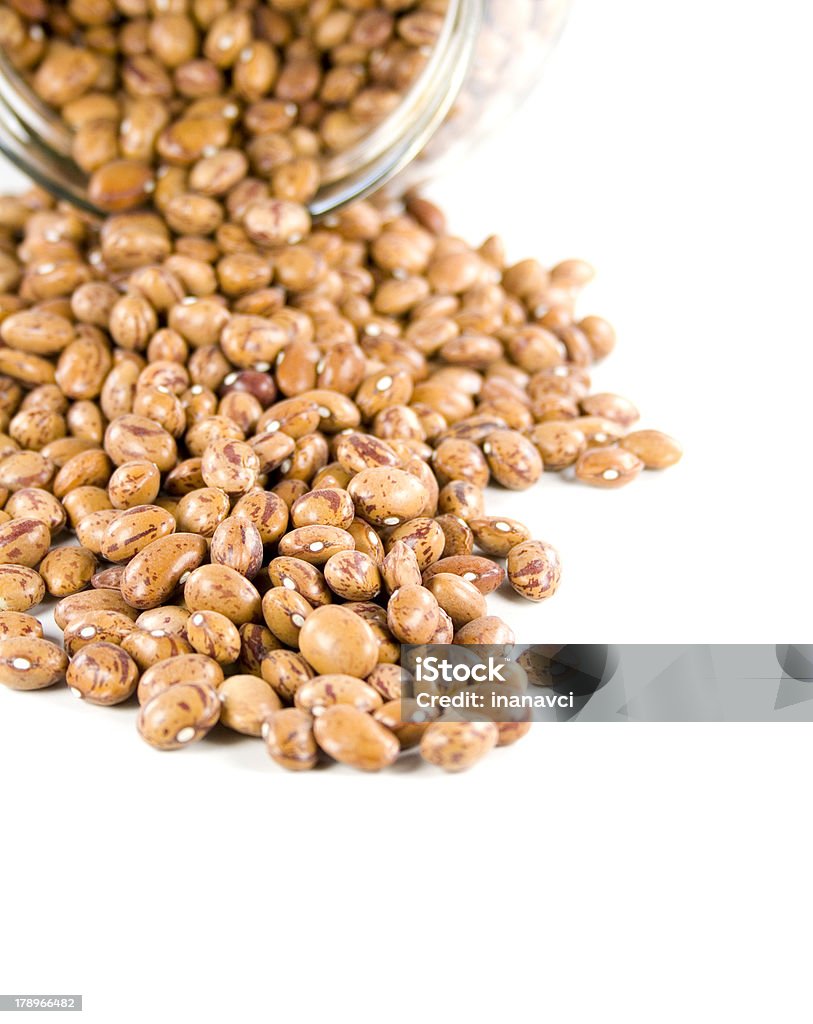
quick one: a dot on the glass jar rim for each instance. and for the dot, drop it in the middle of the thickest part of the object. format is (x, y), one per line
(38, 143)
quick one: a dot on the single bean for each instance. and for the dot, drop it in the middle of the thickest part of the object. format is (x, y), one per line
(30, 663)
(102, 673)
(178, 716)
(289, 739)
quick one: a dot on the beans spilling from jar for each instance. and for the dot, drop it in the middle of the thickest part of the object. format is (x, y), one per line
(179, 100)
(249, 462)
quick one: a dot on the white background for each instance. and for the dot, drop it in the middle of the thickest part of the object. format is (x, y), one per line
(655, 872)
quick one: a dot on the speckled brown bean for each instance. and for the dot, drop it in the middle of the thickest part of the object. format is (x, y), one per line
(214, 635)
(289, 490)
(35, 428)
(108, 579)
(285, 671)
(134, 483)
(600, 335)
(184, 479)
(285, 613)
(33, 330)
(458, 459)
(272, 450)
(511, 732)
(102, 673)
(267, 511)
(356, 452)
(496, 535)
(202, 510)
(179, 716)
(352, 575)
(87, 601)
(375, 616)
(19, 624)
(608, 467)
(327, 506)
(354, 738)
(457, 536)
(67, 570)
(387, 680)
(230, 465)
(93, 627)
(315, 544)
(400, 567)
(304, 578)
(170, 618)
(30, 663)
(534, 569)
(222, 589)
(459, 598)
(246, 703)
(148, 648)
(406, 720)
(25, 469)
(256, 642)
(237, 543)
(30, 503)
(181, 669)
(26, 368)
(488, 629)
(456, 746)
(598, 432)
(324, 691)
(289, 739)
(129, 438)
(462, 499)
(654, 449)
(20, 588)
(513, 459)
(559, 443)
(412, 614)
(335, 639)
(424, 536)
(24, 542)
(157, 570)
(385, 496)
(367, 540)
(133, 530)
(482, 572)
(610, 407)
(84, 500)
(90, 529)
(90, 468)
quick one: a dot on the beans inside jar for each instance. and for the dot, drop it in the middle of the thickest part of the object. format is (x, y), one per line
(274, 439)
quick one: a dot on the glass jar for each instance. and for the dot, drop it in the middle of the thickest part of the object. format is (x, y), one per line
(489, 56)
